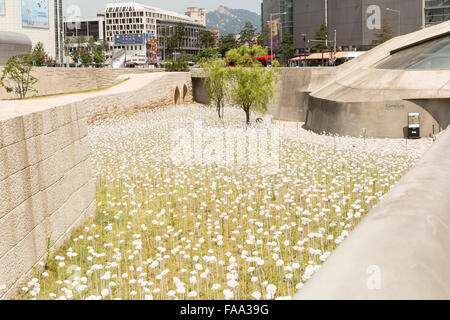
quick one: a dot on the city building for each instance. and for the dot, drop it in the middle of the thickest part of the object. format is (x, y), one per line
(89, 28)
(153, 23)
(357, 22)
(39, 20)
(436, 11)
(197, 13)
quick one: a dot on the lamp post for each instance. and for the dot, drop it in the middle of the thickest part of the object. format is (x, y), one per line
(271, 32)
(398, 12)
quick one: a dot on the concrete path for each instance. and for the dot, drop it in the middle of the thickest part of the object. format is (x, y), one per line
(14, 108)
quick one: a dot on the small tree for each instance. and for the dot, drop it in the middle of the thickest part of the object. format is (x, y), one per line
(321, 34)
(252, 88)
(386, 33)
(75, 52)
(85, 57)
(207, 39)
(39, 55)
(17, 76)
(175, 41)
(227, 43)
(248, 35)
(216, 83)
(98, 56)
(287, 46)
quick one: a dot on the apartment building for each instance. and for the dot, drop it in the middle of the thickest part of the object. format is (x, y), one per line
(134, 18)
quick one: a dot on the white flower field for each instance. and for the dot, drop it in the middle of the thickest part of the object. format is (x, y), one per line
(189, 207)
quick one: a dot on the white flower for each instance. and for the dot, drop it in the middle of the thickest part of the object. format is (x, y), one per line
(271, 288)
(228, 294)
(232, 283)
(104, 292)
(257, 295)
(215, 287)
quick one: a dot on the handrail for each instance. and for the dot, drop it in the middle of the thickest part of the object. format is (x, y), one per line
(402, 248)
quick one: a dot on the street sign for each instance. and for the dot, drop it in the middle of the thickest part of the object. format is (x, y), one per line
(129, 39)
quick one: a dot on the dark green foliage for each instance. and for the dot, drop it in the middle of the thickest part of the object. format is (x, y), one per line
(321, 34)
(39, 55)
(227, 43)
(248, 35)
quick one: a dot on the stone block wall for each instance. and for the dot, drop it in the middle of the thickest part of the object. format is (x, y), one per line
(167, 89)
(46, 186)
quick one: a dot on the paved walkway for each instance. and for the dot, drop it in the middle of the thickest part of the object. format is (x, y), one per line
(14, 108)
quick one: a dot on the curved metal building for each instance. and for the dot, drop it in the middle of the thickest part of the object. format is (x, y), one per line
(13, 43)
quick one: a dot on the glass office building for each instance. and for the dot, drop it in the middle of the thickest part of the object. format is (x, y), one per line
(436, 11)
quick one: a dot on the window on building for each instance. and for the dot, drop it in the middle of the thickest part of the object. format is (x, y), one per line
(434, 54)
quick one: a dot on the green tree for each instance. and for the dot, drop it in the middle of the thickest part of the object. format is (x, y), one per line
(321, 34)
(98, 56)
(175, 42)
(39, 55)
(242, 56)
(252, 88)
(75, 52)
(227, 43)
(17, 76)
(207, 39)
(386, 33)
(248, 35)
(207, 54)
(105, 46)
(287, 46)
(216, 83)
(85, 57)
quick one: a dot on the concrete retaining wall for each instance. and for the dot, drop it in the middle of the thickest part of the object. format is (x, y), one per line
(61, 80)
(46, 186)
(401, 250)
(166, 89)
(292, 95)
(386, 119)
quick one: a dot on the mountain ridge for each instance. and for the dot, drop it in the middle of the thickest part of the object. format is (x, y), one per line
(229, 20)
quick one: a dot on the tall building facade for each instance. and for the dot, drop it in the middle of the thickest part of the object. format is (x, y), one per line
(436, 11)
(135, 18)
(357, 22)
(40, 20)
(197, 13)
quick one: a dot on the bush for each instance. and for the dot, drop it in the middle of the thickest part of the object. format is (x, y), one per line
(177, 66)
